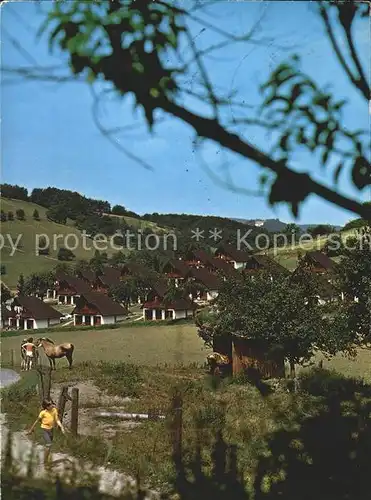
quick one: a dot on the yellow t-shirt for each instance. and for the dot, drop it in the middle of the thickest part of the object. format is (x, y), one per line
(48, 418)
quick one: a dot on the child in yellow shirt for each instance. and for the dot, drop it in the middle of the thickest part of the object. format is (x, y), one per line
(48, 417)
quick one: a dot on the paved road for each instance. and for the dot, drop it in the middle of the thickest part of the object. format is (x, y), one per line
(110, 481)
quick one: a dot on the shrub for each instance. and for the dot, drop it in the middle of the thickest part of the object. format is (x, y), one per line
(10, 215)
(65, 254)
(20, 214)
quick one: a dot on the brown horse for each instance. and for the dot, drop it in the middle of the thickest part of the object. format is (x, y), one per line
(54, 352)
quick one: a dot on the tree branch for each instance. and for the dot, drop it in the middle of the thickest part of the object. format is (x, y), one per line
(355, 81)
(211, 129)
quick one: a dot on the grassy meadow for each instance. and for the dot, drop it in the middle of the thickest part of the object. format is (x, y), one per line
(171, 344)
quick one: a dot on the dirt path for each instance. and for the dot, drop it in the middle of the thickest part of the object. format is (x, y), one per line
(110, 481)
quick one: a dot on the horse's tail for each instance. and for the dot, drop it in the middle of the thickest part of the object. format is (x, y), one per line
(72, 348)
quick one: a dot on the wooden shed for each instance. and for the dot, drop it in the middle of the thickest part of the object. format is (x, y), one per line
(249, 355)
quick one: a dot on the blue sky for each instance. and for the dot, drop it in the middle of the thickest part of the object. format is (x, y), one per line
(50, 139)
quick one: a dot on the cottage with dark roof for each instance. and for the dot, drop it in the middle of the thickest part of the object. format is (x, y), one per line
(318, 262)
(158, 309)
(176, 271)
(197, 259)
(28, 313)
(69, 288)
(231, 254)
(110, 277)
(211, 284)
(258, 263)
(95, 309)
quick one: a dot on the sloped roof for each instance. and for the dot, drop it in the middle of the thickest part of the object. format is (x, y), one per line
(88, 275)
(269, 264)
(224, 266)
(159, 287)
(78, 284)
(233, 252)
(321, 258)
(110, 276)
(104, 304)
(135, 269)
(36, 307)
(202, 256)
(208, 279)
(180, 266)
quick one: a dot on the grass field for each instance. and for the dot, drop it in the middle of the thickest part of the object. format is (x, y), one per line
(25, 260)
(153, 345)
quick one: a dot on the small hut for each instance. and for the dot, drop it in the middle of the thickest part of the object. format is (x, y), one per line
(247, 355)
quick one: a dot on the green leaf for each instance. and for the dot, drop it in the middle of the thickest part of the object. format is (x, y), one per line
(361, 172)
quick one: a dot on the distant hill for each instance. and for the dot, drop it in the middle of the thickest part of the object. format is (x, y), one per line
(275, 225)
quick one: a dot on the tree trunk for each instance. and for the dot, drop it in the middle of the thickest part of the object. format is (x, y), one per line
(292, 369)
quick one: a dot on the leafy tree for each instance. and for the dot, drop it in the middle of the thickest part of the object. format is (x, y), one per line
(3, 217)
(43, 248)
(354, 277)
(5, 293)
(10, 216)
(39, 283)
(117, 259)
(282, 314)
(302, 114)
(65, 254)
(292, 230)
(57, 213)
(118, 210)
(20, 214)
(14, 191)
(320, 230)
(127, 291)
(97, 262)
(21, 285)
(36, 214)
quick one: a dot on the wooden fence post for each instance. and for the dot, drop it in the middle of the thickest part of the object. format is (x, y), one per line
(12, 358)
(63, 397)
(177, 410)
(75, 411)
(48, 383)
(41, 384)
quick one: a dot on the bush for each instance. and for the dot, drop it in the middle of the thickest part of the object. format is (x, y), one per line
(3, 217)
(36, 214)
(65, 254)
(20, 214)
(2, 270)
(10, 216)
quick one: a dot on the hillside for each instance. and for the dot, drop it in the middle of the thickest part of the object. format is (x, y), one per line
(288, 256)
(25, 259)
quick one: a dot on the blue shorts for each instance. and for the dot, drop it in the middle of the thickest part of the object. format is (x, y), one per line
(48, 436)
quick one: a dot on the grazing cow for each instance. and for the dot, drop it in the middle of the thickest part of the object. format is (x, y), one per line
(54, 352)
